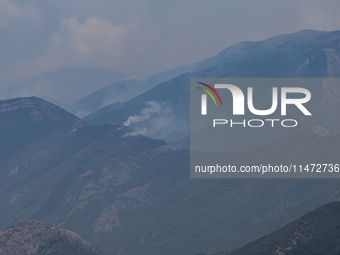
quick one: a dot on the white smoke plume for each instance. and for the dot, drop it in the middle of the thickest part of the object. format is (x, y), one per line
(155, 120)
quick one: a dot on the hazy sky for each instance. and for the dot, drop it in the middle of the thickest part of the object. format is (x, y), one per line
(142, 37)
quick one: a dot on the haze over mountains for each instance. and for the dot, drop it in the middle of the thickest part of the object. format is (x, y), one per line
(305, 54)
(83, 90)
(128, 194)
(63, 86)
(122, 91)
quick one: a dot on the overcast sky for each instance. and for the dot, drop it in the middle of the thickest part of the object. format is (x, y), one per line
(141, 37)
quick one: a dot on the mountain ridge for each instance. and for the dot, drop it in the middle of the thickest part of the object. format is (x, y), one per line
(236, 52)
(64, 85)
(307, 54)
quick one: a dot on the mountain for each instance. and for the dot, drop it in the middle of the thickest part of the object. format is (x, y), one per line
(307, 54)
(122, 91)
(63, 86)
(317, 232)
(56, 168)
(324, 243)
(125, 90)
(115, 93)
(37, 238)
(129, 194)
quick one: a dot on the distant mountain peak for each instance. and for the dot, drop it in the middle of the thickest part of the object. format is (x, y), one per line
(8, 105)
(64, 85)
(21, 110)
(23, 103)
(301, 36)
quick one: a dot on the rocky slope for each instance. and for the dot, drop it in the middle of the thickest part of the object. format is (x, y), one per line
(37, 238)
(317, 232)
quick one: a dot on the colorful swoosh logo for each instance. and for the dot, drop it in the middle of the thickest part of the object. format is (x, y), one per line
(209, 93)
